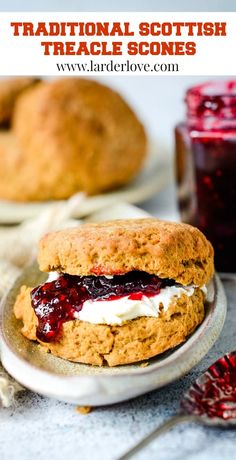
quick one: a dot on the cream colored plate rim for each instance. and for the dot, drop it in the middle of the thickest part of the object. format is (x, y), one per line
(101, 386)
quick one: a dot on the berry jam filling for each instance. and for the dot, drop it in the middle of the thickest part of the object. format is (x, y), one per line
(214, 394)
(59, 301)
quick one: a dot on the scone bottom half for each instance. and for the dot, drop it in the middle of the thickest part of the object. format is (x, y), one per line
(131, 311)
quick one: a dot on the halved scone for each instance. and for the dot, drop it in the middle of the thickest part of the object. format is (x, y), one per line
(118, 292)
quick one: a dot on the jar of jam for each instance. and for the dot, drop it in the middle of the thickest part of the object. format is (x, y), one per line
(206, 167)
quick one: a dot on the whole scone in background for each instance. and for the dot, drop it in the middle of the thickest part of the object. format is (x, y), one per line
(69, 135)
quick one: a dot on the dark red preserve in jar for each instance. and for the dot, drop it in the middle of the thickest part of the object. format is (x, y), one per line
(206, 167)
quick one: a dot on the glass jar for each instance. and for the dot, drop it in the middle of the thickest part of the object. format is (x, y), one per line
(206, 167)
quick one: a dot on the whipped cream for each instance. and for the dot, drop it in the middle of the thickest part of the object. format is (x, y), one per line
(52, 276)
(116, 312)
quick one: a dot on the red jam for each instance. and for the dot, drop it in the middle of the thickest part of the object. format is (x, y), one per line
(214, 393)
(206, 167)
(58, 301)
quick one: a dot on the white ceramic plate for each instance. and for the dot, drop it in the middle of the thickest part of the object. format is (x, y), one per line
(156, 174)
(88, 385)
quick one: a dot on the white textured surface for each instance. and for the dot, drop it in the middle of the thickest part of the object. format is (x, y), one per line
(41, 428)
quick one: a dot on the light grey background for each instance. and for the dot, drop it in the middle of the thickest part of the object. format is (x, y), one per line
(118, 5)
(43, 429)
(159, 101)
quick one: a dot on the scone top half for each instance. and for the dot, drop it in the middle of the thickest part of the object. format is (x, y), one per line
(170, 250)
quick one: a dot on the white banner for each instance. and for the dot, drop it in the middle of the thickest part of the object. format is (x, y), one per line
(73, 43)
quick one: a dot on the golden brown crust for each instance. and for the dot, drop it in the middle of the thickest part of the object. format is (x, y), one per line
(79, 135)
(24, 311)
(15, 173)
(170, 250)
(10, 164)
(134, 341)
(21, 177)
(10, 89)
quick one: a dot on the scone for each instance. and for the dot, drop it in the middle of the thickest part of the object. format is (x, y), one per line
(10, 89)
(70, 135)
(118, 292)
